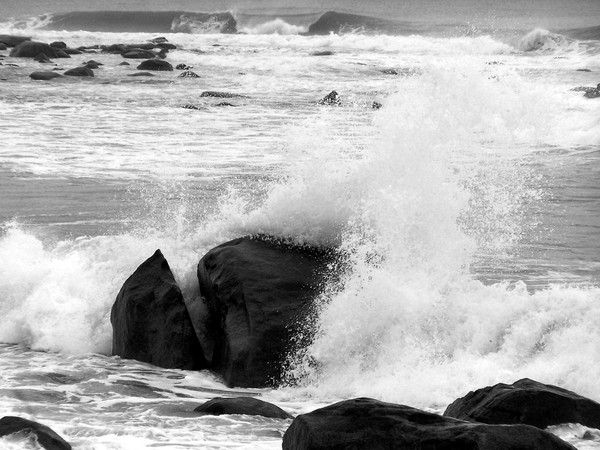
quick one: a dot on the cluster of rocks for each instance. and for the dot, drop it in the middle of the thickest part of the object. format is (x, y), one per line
(153, 54)
(254, 293)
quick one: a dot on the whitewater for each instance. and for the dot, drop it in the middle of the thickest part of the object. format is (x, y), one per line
(467, 208)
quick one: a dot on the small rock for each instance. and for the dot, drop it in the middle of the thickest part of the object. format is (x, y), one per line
(376, 105)
(242, 405)
(44, 76)
(124, 63)
(225, 104)
(141, 74)
(332, 98)
(3, 46)
(584, 70)
(80, 72)
(216, 94)
(323, 53)
(188, 74)
(58, 44)
(190, 106)
(183, 67)
(155, 64)
(390, 71)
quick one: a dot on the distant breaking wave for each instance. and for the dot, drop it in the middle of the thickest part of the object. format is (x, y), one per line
(218, 22)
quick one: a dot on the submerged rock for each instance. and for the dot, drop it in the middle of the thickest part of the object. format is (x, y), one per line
(242, 405)
(150, 320)
(44, 76)
(256, 291)
(217, 94)
(141, 74)
(528, 402)
(80, 72)
(46, 437)
(365, 423)
(190, 106)
(323, 53)
(332, 98)
(155, 64)
(183, 67)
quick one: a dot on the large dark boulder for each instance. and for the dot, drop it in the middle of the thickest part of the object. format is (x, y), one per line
(255, 292)
(44, 75)
(364, 423)
(155, 64)
(150, 321)
(31, 49)
(46, 437)
(13, 41)
(528, 402)
(242, 405)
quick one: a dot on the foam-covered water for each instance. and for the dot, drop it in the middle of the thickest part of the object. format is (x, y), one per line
(466, 207)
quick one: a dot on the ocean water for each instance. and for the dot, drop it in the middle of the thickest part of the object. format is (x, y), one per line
(468, 205)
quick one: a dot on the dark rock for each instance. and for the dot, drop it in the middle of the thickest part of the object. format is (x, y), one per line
(583, 70)
(44, 76)
(183, 67)
(256, 292)
(376, 105)
(190, 106)
(593, 93)
(332, 98)
(58, 44)
(528, 402)
(42, 58)
(155, 64)
(167, 46)
(114, 48)
(62, 54)
(80, 72)
(141, 74)
(124, 63)
(159, 40)
(188, 74)
(46, 437)
(216, 94)
(242, 405)
(91, 64)
(138, 54)
(31, 49)
(150, 321)
(72, 51)
(364, 423)
(390, 71)
(225, 104)
(323, 53)
(3, 46)
(12, 41)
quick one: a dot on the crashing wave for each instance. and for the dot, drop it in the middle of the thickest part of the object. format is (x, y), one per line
(544, 40)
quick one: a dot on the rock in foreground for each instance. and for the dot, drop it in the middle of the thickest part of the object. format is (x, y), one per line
(364, 423)
(150, 320)
(528, 402)
(256, 292)
(46, 437)
(242, 405)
